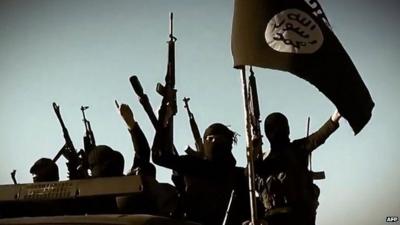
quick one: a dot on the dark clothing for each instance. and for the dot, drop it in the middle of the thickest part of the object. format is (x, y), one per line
(157, 198)
(141, 161)
(287, 164)
(105, 162)
(208, 183)
(44, 170)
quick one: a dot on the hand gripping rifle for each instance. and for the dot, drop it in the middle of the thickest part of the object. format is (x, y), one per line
(195, 129)
(68, 151)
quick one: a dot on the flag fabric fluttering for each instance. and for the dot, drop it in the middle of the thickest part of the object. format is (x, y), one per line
(295, 36)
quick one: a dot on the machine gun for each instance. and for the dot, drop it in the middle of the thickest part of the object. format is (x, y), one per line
(74, 163)
(195, 129)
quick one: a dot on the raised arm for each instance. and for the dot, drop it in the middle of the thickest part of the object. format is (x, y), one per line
(319, 137)
(162, 155)
(140, 144)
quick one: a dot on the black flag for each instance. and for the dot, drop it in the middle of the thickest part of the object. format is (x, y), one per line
(295, 36)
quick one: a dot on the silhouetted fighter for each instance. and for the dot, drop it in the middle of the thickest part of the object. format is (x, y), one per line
(210, 180)
(283, 179)
(158, 198)
(43, 170)
(105, 162)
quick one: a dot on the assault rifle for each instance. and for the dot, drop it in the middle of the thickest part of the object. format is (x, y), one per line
(74, 163)
(168, 105)
(88, 139)
(195, 129)
(168, 92)
(89, 143)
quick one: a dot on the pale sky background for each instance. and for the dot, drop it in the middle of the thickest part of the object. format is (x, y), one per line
(83, 53)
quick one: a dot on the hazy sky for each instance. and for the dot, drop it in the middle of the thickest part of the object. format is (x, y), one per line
(83, 53)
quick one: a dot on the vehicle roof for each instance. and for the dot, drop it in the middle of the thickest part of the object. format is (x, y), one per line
(117, 219)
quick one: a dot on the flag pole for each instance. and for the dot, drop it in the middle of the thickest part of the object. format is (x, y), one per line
(249, 148)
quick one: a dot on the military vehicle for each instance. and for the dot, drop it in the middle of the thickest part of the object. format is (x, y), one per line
(113, 200)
